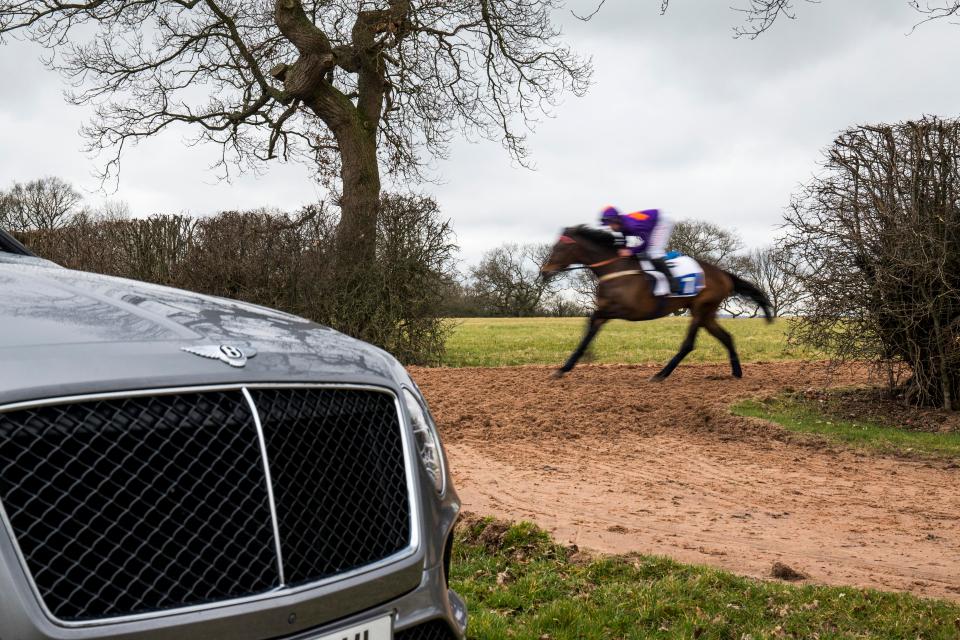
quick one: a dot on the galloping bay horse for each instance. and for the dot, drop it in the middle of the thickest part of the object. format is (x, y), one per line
(625, 292)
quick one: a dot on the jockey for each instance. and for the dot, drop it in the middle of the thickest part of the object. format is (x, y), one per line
(645, 235)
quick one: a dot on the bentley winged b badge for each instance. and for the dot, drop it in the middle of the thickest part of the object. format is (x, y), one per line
(231, 354)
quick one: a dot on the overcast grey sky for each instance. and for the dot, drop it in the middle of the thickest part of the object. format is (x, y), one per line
(681, 116)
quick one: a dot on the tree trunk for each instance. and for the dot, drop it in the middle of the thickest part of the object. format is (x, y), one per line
(358, 290)
(360, 200)
(354, 125)
(941, 370)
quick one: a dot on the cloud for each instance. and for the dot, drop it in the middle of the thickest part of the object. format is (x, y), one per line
(686, 118)
(681, 116)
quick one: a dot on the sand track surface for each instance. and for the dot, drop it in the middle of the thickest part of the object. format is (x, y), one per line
(609, 461)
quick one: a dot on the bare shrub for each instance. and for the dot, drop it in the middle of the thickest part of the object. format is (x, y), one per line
(150, 249)
(286, 262)
(416, 255)
(460, 301)
(252, 256)
(876, 237)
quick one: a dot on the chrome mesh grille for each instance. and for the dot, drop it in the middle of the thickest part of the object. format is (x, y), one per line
(318, 537)
(125, 506)
(138, 504)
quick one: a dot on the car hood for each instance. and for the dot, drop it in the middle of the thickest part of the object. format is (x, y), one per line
(65, 332)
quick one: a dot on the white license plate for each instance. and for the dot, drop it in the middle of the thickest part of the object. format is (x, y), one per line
(379, 629)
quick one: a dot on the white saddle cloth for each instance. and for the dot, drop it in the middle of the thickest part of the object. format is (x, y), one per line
(685, 269)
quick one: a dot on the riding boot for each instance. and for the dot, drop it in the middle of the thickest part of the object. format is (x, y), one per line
(661, 265)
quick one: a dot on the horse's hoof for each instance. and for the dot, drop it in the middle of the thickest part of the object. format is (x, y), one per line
(559, 373)
(657, 378)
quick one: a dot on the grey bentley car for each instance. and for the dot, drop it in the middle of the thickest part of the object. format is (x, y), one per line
(175, 465)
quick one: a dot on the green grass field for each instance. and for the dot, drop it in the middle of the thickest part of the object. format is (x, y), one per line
(492, 342)
(522, 586)
(797, 415)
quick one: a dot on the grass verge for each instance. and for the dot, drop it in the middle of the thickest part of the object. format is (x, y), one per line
(492, 342)
(521, 585)
(797, 414)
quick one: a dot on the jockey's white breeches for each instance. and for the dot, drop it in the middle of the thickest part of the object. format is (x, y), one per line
(657, 246)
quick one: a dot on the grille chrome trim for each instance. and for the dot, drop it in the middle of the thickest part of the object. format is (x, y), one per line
(410, 463)
(275, 521)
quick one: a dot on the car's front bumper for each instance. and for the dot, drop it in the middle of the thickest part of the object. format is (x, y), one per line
(418, 615)
(431, 612)
(295, 616)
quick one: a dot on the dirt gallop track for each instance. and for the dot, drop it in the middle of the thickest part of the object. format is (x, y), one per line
(609, 461)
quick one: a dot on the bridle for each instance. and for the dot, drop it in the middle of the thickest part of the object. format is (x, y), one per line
(565, 239)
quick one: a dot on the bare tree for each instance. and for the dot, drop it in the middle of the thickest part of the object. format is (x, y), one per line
(876, 235)
(459, 300)
(760, 15)
(352, 88)
(705, 241)
(6, 214)
(773, 269)
(348, 86)
(508, 283)
(44, 204)
(112, 210)
(583, 285)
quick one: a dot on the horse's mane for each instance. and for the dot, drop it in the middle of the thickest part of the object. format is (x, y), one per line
(592, 234)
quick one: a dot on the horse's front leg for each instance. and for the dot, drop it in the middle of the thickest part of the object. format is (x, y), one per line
(685, 350)
(593, 326)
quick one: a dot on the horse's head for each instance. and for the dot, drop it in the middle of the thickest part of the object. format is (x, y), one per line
(565, 252)
(578, 245)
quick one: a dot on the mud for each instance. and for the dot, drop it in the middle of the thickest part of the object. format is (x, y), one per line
(611, 462)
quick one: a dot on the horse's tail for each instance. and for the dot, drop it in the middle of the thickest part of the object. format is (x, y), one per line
(752, 292)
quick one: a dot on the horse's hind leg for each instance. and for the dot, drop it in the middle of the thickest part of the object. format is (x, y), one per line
(685, 349)
(593, 326)
(713, 328)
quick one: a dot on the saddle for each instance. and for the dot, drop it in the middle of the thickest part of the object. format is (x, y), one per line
(686, 271)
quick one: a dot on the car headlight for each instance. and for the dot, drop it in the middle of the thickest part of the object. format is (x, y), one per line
(428, 442)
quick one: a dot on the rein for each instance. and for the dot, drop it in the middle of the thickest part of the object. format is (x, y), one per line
(619, 274)
(568, 240)
(603, 263)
